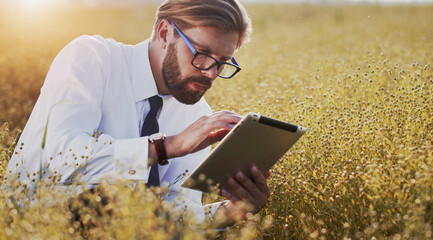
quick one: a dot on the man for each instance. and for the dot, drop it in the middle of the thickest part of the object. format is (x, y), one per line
(102, 102)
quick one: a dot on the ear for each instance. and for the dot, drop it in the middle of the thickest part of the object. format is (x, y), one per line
(164, 33)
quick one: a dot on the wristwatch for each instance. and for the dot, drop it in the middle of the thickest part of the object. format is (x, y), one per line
(158, 140)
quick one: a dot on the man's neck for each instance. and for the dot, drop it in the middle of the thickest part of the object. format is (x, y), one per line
(155, 60)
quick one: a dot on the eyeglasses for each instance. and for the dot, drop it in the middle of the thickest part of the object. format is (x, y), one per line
(204, 62)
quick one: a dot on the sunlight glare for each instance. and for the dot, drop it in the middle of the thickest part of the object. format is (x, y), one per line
(34, 4)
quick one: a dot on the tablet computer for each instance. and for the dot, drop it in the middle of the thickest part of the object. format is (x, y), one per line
(255, 140)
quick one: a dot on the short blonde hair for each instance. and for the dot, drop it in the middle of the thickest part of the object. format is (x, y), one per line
(225, 15)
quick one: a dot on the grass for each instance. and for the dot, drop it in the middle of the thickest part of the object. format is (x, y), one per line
(359, 78)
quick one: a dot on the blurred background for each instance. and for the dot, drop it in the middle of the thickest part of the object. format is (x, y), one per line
(357, 73)
(127, 2)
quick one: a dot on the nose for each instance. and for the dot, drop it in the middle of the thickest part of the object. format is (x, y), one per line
(211, 73)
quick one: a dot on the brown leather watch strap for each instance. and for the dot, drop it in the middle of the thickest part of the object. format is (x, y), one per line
(160, 151)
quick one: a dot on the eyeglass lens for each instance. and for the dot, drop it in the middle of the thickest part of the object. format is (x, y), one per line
(204, 62)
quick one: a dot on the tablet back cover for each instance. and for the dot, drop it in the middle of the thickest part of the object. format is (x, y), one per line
(256, 140)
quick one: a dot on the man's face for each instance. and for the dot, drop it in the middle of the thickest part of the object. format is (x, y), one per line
(185, 82)
(188, 90)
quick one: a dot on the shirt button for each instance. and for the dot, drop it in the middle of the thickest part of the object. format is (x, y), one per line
(132, 172)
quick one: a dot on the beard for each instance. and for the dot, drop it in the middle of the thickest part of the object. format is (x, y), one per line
(180, 88)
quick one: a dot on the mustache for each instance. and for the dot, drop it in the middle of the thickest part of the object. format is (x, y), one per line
(201, 80)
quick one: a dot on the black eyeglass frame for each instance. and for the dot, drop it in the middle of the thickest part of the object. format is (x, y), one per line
(217, 62)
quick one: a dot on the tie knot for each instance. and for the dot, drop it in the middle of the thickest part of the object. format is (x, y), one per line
(155, 103)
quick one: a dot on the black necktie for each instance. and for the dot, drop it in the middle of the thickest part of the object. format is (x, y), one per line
(150, 126)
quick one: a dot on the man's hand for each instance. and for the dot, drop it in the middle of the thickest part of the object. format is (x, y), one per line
(206, 131)
(245, 196)
(242, 188)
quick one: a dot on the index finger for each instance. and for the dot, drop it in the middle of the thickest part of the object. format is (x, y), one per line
(227, 116)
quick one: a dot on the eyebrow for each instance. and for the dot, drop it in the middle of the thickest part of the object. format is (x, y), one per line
(207, 50)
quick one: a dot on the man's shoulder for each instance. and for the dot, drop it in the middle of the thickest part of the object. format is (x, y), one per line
(96, 40)
(96, 43)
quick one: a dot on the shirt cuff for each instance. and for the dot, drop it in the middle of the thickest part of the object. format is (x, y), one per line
(214, 207)
(131, 157)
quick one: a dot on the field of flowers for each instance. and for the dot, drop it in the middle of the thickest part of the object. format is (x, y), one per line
(360, 78)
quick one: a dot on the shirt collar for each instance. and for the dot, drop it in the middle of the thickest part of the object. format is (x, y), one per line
(142, 78)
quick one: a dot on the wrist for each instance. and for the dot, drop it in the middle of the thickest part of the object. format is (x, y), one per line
(226, 216)
(172, 147)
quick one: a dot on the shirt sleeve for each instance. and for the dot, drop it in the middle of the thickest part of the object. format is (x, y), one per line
(73, 90)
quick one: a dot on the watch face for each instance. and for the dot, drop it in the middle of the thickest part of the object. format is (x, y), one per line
(157, 136)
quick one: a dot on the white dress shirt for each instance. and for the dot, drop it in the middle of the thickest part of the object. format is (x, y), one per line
(94, 99)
